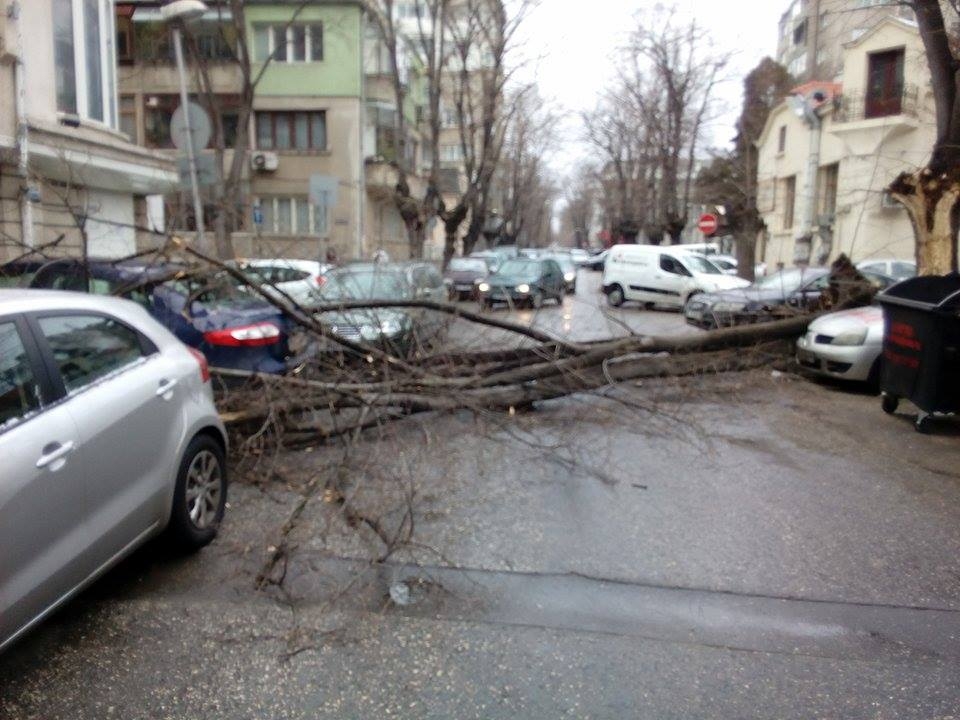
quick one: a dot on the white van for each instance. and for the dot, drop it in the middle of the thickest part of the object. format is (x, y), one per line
(656, 275)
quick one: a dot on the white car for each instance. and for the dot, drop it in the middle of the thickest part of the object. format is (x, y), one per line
(299, 279)
(108, 437)
(845, 344)
(656, 275)
(891, 267)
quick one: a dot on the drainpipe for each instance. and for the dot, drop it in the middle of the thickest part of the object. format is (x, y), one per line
(804, 241)
(361, 125)
(27, 193)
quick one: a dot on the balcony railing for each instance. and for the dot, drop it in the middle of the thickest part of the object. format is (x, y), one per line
(866, 106)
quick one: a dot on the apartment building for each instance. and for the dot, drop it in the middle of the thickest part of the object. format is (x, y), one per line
(874, 123)
(67, 172)
(812, 33)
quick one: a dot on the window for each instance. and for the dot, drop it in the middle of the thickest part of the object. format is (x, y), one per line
(789, 200)
(830, 176)
(884, 84)
(451, 153)
(89, 347)
(449, 117)
(672, 266)
(19, 393)
(782, 139)
(125, 45)
(84, 38)
(798, 65)
(800, 33)
(292, 130)
(159, 109)
(292, 216)
(288, 43)
(128, 116)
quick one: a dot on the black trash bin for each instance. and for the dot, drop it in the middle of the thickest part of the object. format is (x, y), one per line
(921, 345)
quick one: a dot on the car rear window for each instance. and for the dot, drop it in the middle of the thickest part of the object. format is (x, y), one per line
(88, 347)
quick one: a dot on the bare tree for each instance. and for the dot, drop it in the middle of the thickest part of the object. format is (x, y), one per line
(580, 207)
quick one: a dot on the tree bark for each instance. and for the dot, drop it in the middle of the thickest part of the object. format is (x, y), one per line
(933, 204)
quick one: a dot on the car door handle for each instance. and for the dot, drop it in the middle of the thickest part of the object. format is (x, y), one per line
(166, 387)
(53, 452)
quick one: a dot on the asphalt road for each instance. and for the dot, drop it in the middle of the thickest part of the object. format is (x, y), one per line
(750, 546)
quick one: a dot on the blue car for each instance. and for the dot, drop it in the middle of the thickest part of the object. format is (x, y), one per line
(232, 327)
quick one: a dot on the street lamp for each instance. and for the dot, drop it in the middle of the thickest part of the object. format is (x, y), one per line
(177, 13)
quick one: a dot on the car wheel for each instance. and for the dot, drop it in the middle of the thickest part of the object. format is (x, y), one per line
(615, 296)
(536, 301)
(890, 403)
(200, 495)
(924, 423)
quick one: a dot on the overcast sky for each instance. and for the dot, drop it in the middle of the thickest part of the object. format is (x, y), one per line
(575, 41)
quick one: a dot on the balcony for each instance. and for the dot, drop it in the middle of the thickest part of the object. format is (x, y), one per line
(852, 108)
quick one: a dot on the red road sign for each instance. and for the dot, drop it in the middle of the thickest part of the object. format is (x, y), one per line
(708, 224)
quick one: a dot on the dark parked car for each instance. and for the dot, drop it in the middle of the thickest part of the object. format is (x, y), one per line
(230, 326)
(463, 275)
(798, 289)
(400, 331)
(524, 282)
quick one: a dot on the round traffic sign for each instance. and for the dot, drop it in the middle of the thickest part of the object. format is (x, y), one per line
(199, 127)
(708, 224)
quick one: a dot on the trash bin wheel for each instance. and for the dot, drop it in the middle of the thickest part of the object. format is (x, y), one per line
(924, 423)
(890, 403)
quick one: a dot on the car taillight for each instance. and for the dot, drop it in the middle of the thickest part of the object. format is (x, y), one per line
(245, 336)
(202, 361)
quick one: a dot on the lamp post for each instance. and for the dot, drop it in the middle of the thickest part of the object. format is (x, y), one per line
(177, 13)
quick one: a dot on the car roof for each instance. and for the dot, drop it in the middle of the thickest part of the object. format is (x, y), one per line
(126, 270)
(18, 300)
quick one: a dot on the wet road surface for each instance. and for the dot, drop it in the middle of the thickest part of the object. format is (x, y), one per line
(754, 545)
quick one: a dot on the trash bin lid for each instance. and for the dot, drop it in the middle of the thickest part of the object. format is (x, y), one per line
(927, 292)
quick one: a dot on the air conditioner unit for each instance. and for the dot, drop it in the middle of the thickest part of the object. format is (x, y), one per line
(264, 161)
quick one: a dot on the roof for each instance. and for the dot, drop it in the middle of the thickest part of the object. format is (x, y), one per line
(901, 23)
(25, 300)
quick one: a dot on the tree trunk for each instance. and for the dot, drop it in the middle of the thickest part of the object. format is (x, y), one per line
(933, 204)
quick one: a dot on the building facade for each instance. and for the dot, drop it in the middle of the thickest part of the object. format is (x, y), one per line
(812, 33)
(822, 179)
(67, 172)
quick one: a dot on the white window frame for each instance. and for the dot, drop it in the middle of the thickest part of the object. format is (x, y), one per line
(315, 216)
(108, 64)
(308, 40)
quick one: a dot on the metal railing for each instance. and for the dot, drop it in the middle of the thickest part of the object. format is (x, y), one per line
(865, 106)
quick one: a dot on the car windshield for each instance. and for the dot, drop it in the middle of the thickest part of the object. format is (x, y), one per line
(565, 262)
(524, 269)
(699, 264)
(788, 280)
(467, 265)
(366, 285)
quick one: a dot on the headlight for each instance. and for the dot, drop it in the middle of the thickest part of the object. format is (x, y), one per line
(569, 277)
(447, 281)
(523, 289)
(369, 332)
(728, 306)
(854, 337)
(483, 287)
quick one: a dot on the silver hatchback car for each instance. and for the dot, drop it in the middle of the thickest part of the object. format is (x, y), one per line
(108, 436)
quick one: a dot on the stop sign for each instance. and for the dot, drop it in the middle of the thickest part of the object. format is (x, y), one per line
(708, 224)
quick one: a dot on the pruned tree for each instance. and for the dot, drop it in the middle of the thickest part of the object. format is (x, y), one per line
(931, 194)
